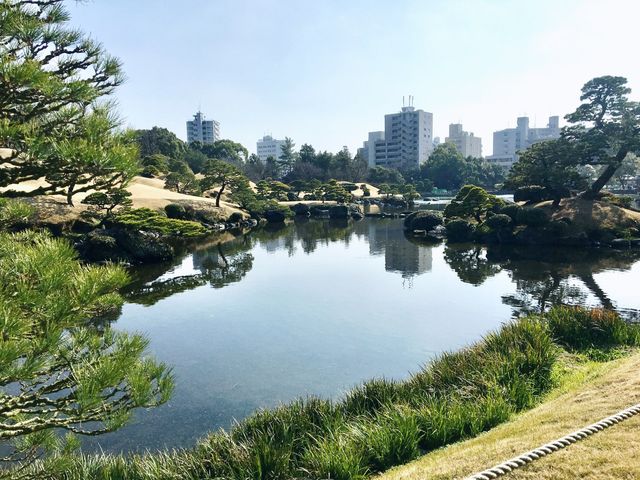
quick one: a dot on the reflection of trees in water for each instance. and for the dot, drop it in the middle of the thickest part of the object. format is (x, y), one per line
(542, 276)
(470, 263)
(222, 263)
(219, 265)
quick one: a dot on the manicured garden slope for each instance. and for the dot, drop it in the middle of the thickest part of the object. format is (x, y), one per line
(591, 392)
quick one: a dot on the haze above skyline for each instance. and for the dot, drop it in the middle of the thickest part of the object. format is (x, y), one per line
(326, 73)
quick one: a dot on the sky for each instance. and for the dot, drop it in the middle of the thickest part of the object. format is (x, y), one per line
(325, 72)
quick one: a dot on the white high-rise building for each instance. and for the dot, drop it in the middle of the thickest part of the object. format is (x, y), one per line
(466, 143)
(407, 140)
(368, 150)
(268, 146)
(508, 142)
(201, 130)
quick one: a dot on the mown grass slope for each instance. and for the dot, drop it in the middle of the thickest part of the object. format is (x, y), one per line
(589, 392)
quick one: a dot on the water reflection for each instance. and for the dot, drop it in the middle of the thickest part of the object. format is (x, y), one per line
(543, 276)
(401, 255)
(251, 319)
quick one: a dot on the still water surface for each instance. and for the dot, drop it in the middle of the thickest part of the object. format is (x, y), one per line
(317, 307)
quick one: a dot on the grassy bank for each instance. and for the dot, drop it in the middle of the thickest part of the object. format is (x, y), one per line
(589, 392)
(385, 423)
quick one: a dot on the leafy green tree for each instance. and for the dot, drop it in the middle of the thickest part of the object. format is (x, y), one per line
(226, 150)
(480, 172)
(159, 141)
(254, 168)
(156, 162)
(342, 162)
(359, 168)
(299, 186)
(324, 161)
(288, 155)
(272, 190)
(446, 167)
(379, 175)
(307, 154)
(109, 200)
(472, 202)
(389, 190)
(195, 159)
(304, 171)
(409, 193)
(59, 369)
(550, 164)
(222, 175)
(332, 191)
(606, 128)
(272, 168)
(52, 79)
(183, 181)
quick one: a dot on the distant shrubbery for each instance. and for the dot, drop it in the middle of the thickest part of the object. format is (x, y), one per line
(384, 423)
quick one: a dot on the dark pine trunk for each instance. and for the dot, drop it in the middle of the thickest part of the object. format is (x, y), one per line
(220, 194)
(70, 194)
(592, 192)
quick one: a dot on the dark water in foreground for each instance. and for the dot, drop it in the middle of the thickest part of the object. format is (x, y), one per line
(317, 307)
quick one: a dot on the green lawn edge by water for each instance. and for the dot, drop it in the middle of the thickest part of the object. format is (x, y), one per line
(385, 423)
(586, 392)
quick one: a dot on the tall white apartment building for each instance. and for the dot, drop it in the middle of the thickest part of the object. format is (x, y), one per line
(201, 130)
(508, 142)
(407, 140)
(268, 146)
(466, 143)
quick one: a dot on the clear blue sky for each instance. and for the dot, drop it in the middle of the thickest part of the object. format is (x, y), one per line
(325, 72)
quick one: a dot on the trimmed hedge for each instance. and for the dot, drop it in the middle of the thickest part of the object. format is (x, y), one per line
(531, 193)
(498, 221)
(423, 220)
(533, 217)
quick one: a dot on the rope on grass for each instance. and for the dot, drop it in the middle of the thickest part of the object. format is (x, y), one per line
(525, 458)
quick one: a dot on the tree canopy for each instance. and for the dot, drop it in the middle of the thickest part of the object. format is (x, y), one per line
(550, 164)
(53, 118)
(60, 368)
(159, 140)
(606, 127)
(223, 175)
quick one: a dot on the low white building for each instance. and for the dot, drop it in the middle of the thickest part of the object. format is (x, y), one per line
(268, 146)
(508, 142)
(466, 143)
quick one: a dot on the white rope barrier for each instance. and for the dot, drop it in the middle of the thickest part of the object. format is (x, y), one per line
(554, 446)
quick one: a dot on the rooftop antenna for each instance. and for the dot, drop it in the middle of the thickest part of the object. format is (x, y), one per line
(403, 100)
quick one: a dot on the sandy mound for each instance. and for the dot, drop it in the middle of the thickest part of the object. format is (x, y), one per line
(145, 192)
(594, 214)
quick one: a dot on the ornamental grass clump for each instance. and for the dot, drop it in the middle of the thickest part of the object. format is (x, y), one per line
(578, 328)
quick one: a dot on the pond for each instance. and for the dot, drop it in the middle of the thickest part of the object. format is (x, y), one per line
(316, 307)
